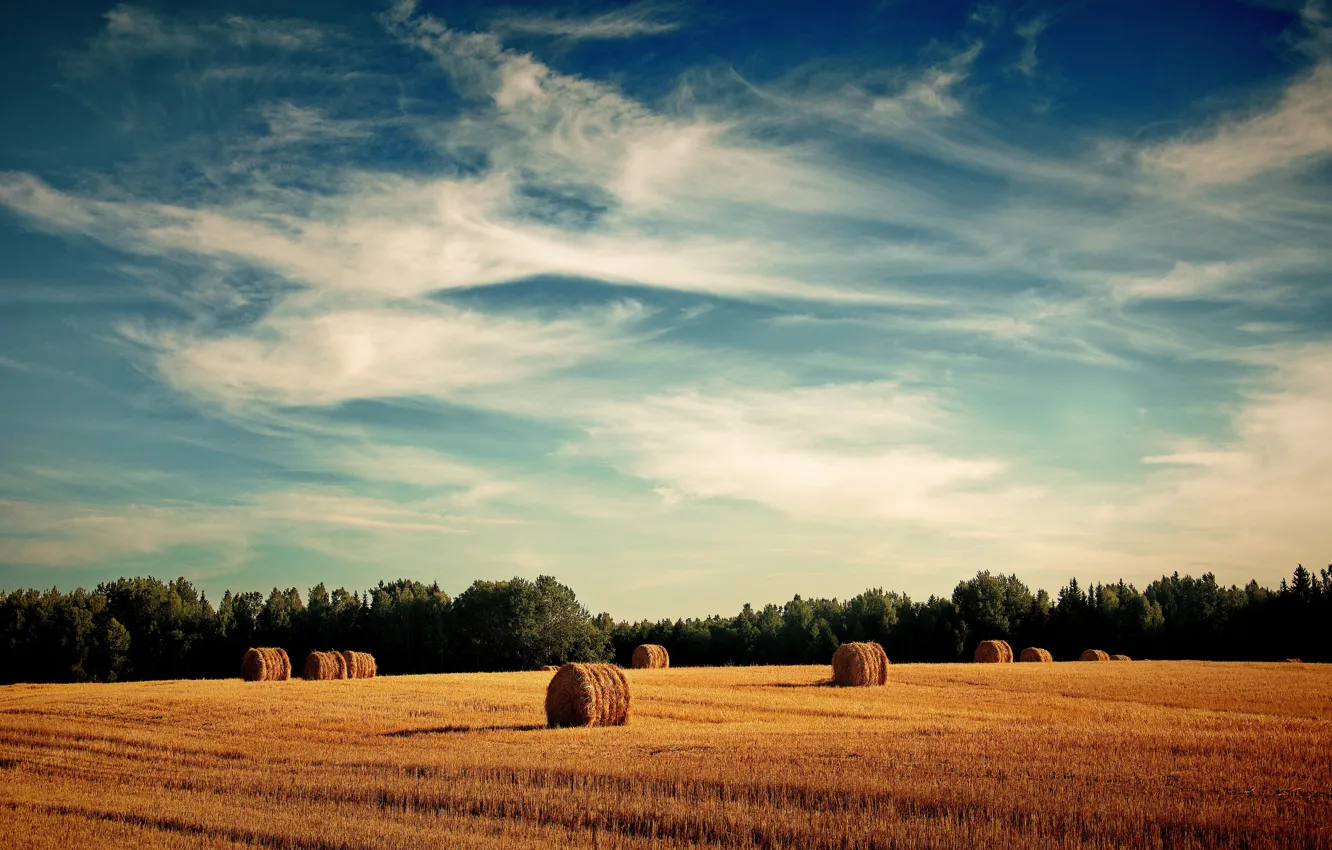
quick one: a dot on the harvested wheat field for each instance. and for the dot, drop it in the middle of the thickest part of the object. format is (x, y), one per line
(1150, 754)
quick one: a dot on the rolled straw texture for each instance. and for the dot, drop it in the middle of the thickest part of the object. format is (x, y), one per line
(994, 652)
(588, 695)
(650, 656)
(860, 665)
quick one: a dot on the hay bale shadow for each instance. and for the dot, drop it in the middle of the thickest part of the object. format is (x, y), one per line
(463, 728)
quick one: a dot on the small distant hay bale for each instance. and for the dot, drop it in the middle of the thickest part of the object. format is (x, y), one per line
(650, 656)
(1294, 661)
(360, 665)
(994, 652)
(1094, 655)
(1035, 653)
(549, 668)
(860, 665)
(265, 664)
(587, 695)
(1120, 658)
(324, 665)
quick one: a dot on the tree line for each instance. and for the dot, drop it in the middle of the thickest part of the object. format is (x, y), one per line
(146, 628)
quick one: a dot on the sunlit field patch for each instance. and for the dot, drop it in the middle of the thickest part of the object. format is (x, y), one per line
(1086, 755)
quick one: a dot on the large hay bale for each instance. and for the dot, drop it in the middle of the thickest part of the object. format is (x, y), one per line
(1120, 658)
(994, 652)
(324, 665)
(360, 665)
(587, 695)
(1035, 653)
(265, 664)
(651, 656)
(860, 665)
(1094, 655)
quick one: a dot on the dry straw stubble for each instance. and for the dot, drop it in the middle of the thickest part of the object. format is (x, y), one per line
(324, 665)
(588, 695)
(1094, 655)
(994, 652)
(1035, 653)
(266, 664)
(651, 656)
(860, 665)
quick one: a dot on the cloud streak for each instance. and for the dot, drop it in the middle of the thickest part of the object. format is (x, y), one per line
(1294, 133)
(785, 305)
(333, 357)
(634, 20)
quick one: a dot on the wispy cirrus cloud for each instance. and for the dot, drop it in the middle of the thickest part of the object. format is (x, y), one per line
(1264, 490)
(1029, 32)
(832, 452)
(1294, 132)
(633, 20)
(828, 268)
(132, 33)
(1236, 280)
(332, 357)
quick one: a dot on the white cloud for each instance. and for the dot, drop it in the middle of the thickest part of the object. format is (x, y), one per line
(1029, 32)
(393, 238)
(633, 20)
(133, 33)
(842, 452)
(933, 92)
(64, 534)
(472, 485)
(314, 507)
(1294, 132)
(332, 357)
(1263, 494)
(70, 534)
(1194, 280)
(289, 123)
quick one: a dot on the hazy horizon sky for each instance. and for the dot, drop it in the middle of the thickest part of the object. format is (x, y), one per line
(689, 305)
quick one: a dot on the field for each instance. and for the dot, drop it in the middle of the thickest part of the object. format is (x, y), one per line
(1147, 754)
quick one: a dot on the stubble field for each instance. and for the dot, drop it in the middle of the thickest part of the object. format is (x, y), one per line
(1173, 754)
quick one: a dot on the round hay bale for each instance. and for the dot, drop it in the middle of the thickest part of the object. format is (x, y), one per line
(265, 664)
(549, 668)
(324, 665)
(1120, 658)
(860, 665)
(587, 695)
(994, 652)
(1094, 655)
(1294, 661)
(1035, 653)
(650, 656)
(360, 665)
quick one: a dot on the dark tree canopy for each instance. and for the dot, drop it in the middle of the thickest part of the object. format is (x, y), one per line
(145, 628)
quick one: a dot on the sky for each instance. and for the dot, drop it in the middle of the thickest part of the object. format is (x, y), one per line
(687, 304)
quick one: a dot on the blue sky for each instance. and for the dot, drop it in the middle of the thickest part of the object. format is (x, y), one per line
(686, 304)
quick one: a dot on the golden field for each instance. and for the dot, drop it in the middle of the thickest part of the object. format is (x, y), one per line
(1147, 754)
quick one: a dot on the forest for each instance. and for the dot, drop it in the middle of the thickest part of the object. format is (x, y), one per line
(147, 628)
